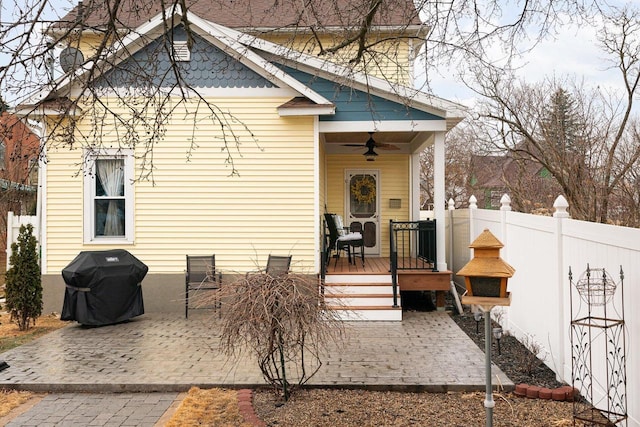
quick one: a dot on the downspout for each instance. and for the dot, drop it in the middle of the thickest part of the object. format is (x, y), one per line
(42, 198)
(40, 129)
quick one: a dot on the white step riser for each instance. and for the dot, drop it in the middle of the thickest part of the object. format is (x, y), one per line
(360, 289)
(370, 315)
(358, 278)
(360, 301)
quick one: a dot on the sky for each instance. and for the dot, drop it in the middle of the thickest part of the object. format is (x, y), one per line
(573, 52)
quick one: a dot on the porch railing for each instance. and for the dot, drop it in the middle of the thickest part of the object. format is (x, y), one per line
(324, 256)
(412, 246)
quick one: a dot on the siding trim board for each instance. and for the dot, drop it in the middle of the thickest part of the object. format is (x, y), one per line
(384, 126)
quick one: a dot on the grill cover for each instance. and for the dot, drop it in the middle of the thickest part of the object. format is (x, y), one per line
(103, 287)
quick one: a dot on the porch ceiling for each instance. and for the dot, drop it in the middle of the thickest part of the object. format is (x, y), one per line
(391, 142)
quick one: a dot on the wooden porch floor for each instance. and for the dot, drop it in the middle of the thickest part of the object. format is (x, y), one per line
(372, 265)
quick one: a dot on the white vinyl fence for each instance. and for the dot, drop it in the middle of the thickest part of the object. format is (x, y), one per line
(13, 229)
(543, 250)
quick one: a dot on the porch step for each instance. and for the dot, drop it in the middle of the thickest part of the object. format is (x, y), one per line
(368, 313)
(364, 297)
(359, 300)
(353, 279)
(357, 288)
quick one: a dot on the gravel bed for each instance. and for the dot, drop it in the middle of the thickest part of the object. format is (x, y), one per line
(347, 408)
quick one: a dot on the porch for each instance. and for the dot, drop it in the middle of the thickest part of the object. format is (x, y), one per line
(409, 278)
(372, 290)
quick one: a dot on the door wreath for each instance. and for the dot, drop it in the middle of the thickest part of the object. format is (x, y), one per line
(364, 189)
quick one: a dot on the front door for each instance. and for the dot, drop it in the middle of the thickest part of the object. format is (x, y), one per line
(363, 206)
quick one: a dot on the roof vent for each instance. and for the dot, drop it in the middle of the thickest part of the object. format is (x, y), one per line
(181, 51)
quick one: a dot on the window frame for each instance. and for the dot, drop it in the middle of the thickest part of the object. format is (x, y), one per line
(89, 223)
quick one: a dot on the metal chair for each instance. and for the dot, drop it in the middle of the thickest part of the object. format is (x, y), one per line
(277, 265)
(341, 239)
(201, 275)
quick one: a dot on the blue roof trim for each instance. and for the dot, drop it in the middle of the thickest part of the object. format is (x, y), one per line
(356, 105)
(208, 67)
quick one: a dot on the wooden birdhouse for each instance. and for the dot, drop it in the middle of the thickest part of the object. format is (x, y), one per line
(486, 274)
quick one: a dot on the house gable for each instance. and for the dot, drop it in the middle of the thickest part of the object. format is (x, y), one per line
(208, 67)
(356, 105)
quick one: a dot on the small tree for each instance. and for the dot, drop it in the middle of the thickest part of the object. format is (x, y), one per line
(283, 321)
(23, 283)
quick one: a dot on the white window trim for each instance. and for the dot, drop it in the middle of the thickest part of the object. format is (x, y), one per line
(90, 157)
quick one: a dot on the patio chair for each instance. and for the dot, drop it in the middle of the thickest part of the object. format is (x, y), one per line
(201, 275)
(277, 265)
(341, 239)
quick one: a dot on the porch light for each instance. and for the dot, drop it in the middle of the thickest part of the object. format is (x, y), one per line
(370, 155)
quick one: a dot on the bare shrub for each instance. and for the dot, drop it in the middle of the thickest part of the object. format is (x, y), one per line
(283, 321)
(531, 360)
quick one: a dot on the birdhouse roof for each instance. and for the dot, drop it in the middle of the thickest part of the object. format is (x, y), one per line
(487, 267)
(486, 261)
(486, 240)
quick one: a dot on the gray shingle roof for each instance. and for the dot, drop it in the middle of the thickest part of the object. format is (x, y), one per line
(259, 14)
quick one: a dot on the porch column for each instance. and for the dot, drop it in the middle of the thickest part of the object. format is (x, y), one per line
(439, 198)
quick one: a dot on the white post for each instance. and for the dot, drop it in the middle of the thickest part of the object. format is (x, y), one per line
(10, 237)
(560, 205)
(439, 198)
(473, 206)
(414, 194)
(454, 291)
(505, 206)
(451, 207)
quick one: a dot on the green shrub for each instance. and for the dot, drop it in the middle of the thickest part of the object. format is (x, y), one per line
(23, 292)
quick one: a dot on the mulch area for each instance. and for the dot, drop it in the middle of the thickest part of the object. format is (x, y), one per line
(347, 408)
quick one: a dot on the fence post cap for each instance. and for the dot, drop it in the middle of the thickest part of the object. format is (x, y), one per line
(505, 202)
(561, 205)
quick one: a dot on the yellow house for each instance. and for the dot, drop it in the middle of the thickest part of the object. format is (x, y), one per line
(254, 146)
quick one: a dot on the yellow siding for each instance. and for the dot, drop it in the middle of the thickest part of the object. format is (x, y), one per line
(392, 60)
(393, 182)
(195, 206)
(391, 63)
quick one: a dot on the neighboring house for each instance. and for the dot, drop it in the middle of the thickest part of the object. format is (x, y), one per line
(528, 183)
(19, 148)
(296, 118)
(486, 179)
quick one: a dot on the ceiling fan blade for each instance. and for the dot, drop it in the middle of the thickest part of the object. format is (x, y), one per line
(353, 145)
(385, 146)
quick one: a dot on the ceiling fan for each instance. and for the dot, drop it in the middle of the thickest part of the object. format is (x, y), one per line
(370, 154)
